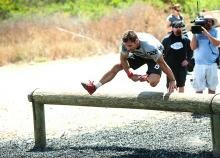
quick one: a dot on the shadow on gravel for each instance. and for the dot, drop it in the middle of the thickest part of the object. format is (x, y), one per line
(127, 152)
(199, 116)
(34, 149)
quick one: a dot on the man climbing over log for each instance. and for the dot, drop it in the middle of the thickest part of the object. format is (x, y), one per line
(136, 50)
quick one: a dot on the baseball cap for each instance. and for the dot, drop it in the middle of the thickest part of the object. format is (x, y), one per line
(214, 20)
(177, 24)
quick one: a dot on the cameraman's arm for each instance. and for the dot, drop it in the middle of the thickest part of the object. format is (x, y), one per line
(193, 42)
(214, 40)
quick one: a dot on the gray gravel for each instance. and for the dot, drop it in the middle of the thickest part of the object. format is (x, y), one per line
(185, 136)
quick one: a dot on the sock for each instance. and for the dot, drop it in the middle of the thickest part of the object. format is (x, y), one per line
(99, 84)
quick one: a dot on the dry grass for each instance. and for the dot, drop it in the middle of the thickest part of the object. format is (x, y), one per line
(62, 36)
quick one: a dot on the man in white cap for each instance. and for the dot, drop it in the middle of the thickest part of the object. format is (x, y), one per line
(205, 46)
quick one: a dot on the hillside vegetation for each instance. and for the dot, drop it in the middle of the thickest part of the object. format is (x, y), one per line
(40, 30)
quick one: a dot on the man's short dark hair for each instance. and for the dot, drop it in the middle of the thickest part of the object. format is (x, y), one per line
(129, 36)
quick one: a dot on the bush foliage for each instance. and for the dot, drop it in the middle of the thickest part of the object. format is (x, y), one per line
(41, 30)
(91, 8)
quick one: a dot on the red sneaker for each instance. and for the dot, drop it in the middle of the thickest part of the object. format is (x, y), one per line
(90, 87)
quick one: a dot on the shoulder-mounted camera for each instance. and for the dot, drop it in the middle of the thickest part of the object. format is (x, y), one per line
(198, 23)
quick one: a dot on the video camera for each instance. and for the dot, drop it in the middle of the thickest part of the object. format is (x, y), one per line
(198, 23)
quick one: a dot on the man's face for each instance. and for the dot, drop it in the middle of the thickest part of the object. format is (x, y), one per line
(177, 30)
(208, 24)
(130, 46)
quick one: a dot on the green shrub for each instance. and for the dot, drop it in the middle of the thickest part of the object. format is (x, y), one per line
(92, 9)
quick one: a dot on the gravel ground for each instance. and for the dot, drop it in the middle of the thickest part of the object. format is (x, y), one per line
(181, 135)
(94, 132)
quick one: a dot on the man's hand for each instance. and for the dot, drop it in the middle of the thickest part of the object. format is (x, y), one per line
(172, 86)
(143, 78)
(184, 63)
(205, 32)
(135, 77)
(129, 74)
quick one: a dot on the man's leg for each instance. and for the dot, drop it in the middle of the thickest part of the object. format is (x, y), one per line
(181, 79)
(199, 91)
(91, 87)
(199, 81)
(181, 89)
(212, 78)
(153, 79)
(111, 74)
(211, 91)
(153, 72)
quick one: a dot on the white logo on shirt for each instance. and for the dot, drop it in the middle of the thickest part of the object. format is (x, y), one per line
(177, 45)
(156, 66)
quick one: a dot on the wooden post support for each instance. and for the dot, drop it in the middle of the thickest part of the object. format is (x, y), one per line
(39, 125)
(215, 126)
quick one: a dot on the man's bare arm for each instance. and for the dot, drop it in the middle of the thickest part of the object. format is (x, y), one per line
(166, 69)
(124, 62)
(126, 67)
(193, 42)
(214, 40)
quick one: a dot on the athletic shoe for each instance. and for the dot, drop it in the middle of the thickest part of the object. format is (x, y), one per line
(90, 87)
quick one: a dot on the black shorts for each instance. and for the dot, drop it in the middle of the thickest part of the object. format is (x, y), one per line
(180, 76)
(135, 62)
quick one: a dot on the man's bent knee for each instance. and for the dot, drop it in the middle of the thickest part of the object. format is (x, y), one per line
(153, 79)
(154, 83)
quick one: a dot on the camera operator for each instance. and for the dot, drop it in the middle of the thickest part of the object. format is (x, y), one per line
(205, 46)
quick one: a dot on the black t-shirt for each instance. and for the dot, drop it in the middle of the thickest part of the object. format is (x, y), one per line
(176, 49)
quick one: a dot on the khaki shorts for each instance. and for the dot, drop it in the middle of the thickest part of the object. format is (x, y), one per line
(205, 76)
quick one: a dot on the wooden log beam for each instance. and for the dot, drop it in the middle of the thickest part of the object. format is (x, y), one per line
(199, 103)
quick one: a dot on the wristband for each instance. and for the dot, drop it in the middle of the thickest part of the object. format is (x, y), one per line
(130, 74)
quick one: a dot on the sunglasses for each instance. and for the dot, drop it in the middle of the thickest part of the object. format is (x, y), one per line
(178, 10)
(177, 27)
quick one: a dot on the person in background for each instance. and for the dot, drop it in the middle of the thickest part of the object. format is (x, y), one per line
(136, 50)
(176, 16)
(177, 53)
(205, 46)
